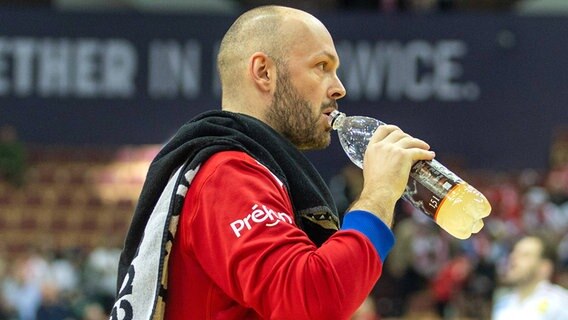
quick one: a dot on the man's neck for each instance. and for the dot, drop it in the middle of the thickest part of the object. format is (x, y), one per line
(527, 289)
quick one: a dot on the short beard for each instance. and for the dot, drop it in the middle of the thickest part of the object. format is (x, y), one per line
(293, 117)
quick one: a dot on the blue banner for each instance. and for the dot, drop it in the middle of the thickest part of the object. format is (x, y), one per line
(490, 89)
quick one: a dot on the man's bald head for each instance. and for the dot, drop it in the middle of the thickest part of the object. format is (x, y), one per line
(261, 29)
(253, 31)
(278, 64)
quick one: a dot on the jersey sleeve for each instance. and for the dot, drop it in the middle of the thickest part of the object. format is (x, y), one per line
(242, 232)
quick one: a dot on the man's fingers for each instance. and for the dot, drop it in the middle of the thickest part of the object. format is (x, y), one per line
(393, 134)
(384, 131)
(422, 154)
(411, 142)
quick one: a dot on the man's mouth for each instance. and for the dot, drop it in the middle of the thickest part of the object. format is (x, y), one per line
(329, 110)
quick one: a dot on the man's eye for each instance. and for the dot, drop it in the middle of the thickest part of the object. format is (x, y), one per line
(322, 65)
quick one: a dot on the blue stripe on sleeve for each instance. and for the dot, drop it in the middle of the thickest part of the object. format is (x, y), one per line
(374, 228)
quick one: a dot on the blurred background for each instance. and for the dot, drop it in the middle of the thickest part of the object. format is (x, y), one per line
(90, 90)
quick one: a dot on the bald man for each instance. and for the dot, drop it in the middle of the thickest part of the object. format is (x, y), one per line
(530, 294)
(254, 231)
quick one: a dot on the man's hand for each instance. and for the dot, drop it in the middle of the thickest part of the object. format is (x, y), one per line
(386, 168)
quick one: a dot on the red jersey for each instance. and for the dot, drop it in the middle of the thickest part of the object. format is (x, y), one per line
(238, 254)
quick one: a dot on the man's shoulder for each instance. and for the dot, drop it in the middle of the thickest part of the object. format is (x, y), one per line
(227, 156)
(555, 291)
(503, 303)
(225, 162)
(237, 159)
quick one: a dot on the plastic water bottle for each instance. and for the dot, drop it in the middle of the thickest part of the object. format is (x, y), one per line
(452, 203)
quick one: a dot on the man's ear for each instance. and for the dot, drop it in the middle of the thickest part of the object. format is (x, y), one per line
(262, 71)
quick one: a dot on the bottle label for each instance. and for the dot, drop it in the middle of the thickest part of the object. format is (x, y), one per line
(428, 185)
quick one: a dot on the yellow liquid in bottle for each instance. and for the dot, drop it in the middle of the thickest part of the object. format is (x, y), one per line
(461, 211)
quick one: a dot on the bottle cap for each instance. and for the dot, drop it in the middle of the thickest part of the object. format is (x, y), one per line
(333, 116)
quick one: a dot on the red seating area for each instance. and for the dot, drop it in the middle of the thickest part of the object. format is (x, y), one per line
(73, 197)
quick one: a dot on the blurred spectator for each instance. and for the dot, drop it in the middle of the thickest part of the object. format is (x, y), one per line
(451, 280)
(7, 311)
(22, 293)
(420, 247)
(562, 252)
(101, 271)
(64, 272)
(561, 277)
(557, 185)
(419, 252)
(94, 311)
(471, 301)
(53, 306)
(530, 295)
(537, 210)
(12, 156)
(421, 305)
(559, 148)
